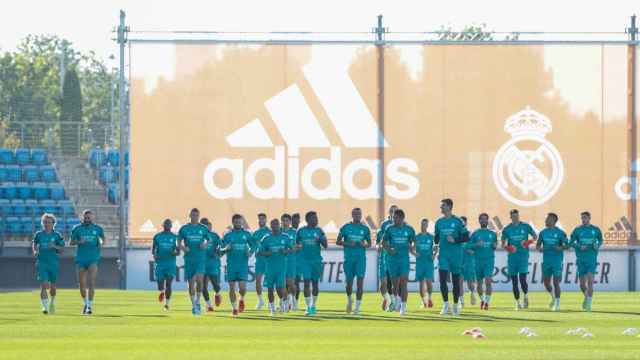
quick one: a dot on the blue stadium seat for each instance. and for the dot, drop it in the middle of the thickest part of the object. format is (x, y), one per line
(13, 173)
(112, 193)
(24, 191)
(57, 191)
(97, 158)
(113, 157)
(108, 175)
(6, 157)
(48, 174)
(19, 208)
(26, 225)
(66, 208)
(23, 156)
(50, 206)
(39, 157)
(33, 208)
(126, 159)
(9, 191)
(37, 224)
(3, 174)
(5, 208)
(13, 225)
(60, 225)
(30, 173)
(71, 223)
(41, 191)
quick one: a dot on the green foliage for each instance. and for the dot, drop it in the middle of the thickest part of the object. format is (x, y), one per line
(31, 97)
(71, 113)
(471, 33)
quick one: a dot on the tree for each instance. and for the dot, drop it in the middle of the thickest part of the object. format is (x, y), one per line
(71, 114)
(471, 33)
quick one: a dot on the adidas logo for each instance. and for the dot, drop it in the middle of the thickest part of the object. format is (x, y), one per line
(299, 127)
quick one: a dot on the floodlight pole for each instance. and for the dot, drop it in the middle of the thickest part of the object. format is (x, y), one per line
(122, 240)
(379, 31)
(633, 147)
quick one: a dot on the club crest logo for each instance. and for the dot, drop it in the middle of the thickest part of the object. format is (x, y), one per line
(528, 169)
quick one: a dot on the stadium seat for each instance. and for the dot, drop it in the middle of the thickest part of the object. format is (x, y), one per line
(3, 174)
(48, 174)
(108, 175)
(23, 156)
(33, 208)
(13, 173)
(6, 157)
(112, 193)
(9, 191)
(113, 157)
(39, 157)
(37, 224)
(97, 158)
(41, 191)
(71, 223)
(60, 225)
(50, 206)
(26, 225)
(66, 208)
(30, 173)
(19, 208)
(13, 225)
(126, 159)
(5, 208)
(57, 191)
(24, 191)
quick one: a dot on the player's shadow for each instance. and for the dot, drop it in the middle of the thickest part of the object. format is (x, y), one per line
(612, 312)
(490, 318)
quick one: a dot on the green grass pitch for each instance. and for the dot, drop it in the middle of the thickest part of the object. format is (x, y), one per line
(131, 325)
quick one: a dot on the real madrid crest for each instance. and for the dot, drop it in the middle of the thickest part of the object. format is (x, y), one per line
(528, 169)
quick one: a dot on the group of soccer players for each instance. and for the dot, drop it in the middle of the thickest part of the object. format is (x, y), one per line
(287, 254)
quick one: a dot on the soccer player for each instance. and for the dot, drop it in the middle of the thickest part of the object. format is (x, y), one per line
(386, 288)
(193, 238)
(89, 238)
(423, 251)
(164, 250)
(354, 237)
(237, 246)
(468, 269)
(397, 240)
(211, 266)
(485, 242)
(47, 246)
(274, 248)
(295, 224)
(311, 238)
(450, 234)
(586, 239)
(257, 237)
(291, 269)
(552, 242)
(515, 239)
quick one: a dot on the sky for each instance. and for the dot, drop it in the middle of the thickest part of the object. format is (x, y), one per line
(88, 24)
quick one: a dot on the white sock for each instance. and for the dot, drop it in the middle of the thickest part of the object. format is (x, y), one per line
(557, 300)
(387, 297)
(86, 301)
(315, 301)
(166, 301)
(403, 306)
(349, 300)
(308, 302)
(242, 298)
(45, 303)
(445, 304)
(260, 300)
(272, 307)
(89, 303)
(290, 299)
(398, 300)
(425, 299)
(487, 299)
(234, 305)
(526, 296)
(53, 300)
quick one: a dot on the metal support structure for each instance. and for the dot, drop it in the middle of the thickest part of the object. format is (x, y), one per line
(122, 240)
(379, 31)
(633, 146)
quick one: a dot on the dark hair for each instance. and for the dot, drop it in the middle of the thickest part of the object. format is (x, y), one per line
(262, 215)
(483, 214)
(356, 208)
(586, 213)
(295, 215)
(514, 211)
(448, 202)
(236, 216)
(308, 215)
(553, 215)
(464, 218)
(400, 213)
(205, 221)
(285, 216)
(87, 211)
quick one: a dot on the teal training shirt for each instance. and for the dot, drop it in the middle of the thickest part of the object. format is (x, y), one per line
(353, 235)
(90, 249)
(44, 242)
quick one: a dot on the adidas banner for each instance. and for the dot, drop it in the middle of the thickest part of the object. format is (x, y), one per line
(233, 128)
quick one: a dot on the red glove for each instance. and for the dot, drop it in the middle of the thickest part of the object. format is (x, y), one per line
(528, 243)
(510, 249)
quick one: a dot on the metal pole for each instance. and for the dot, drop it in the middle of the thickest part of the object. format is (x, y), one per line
(379, 30)
(122, 30)
(633, 32)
